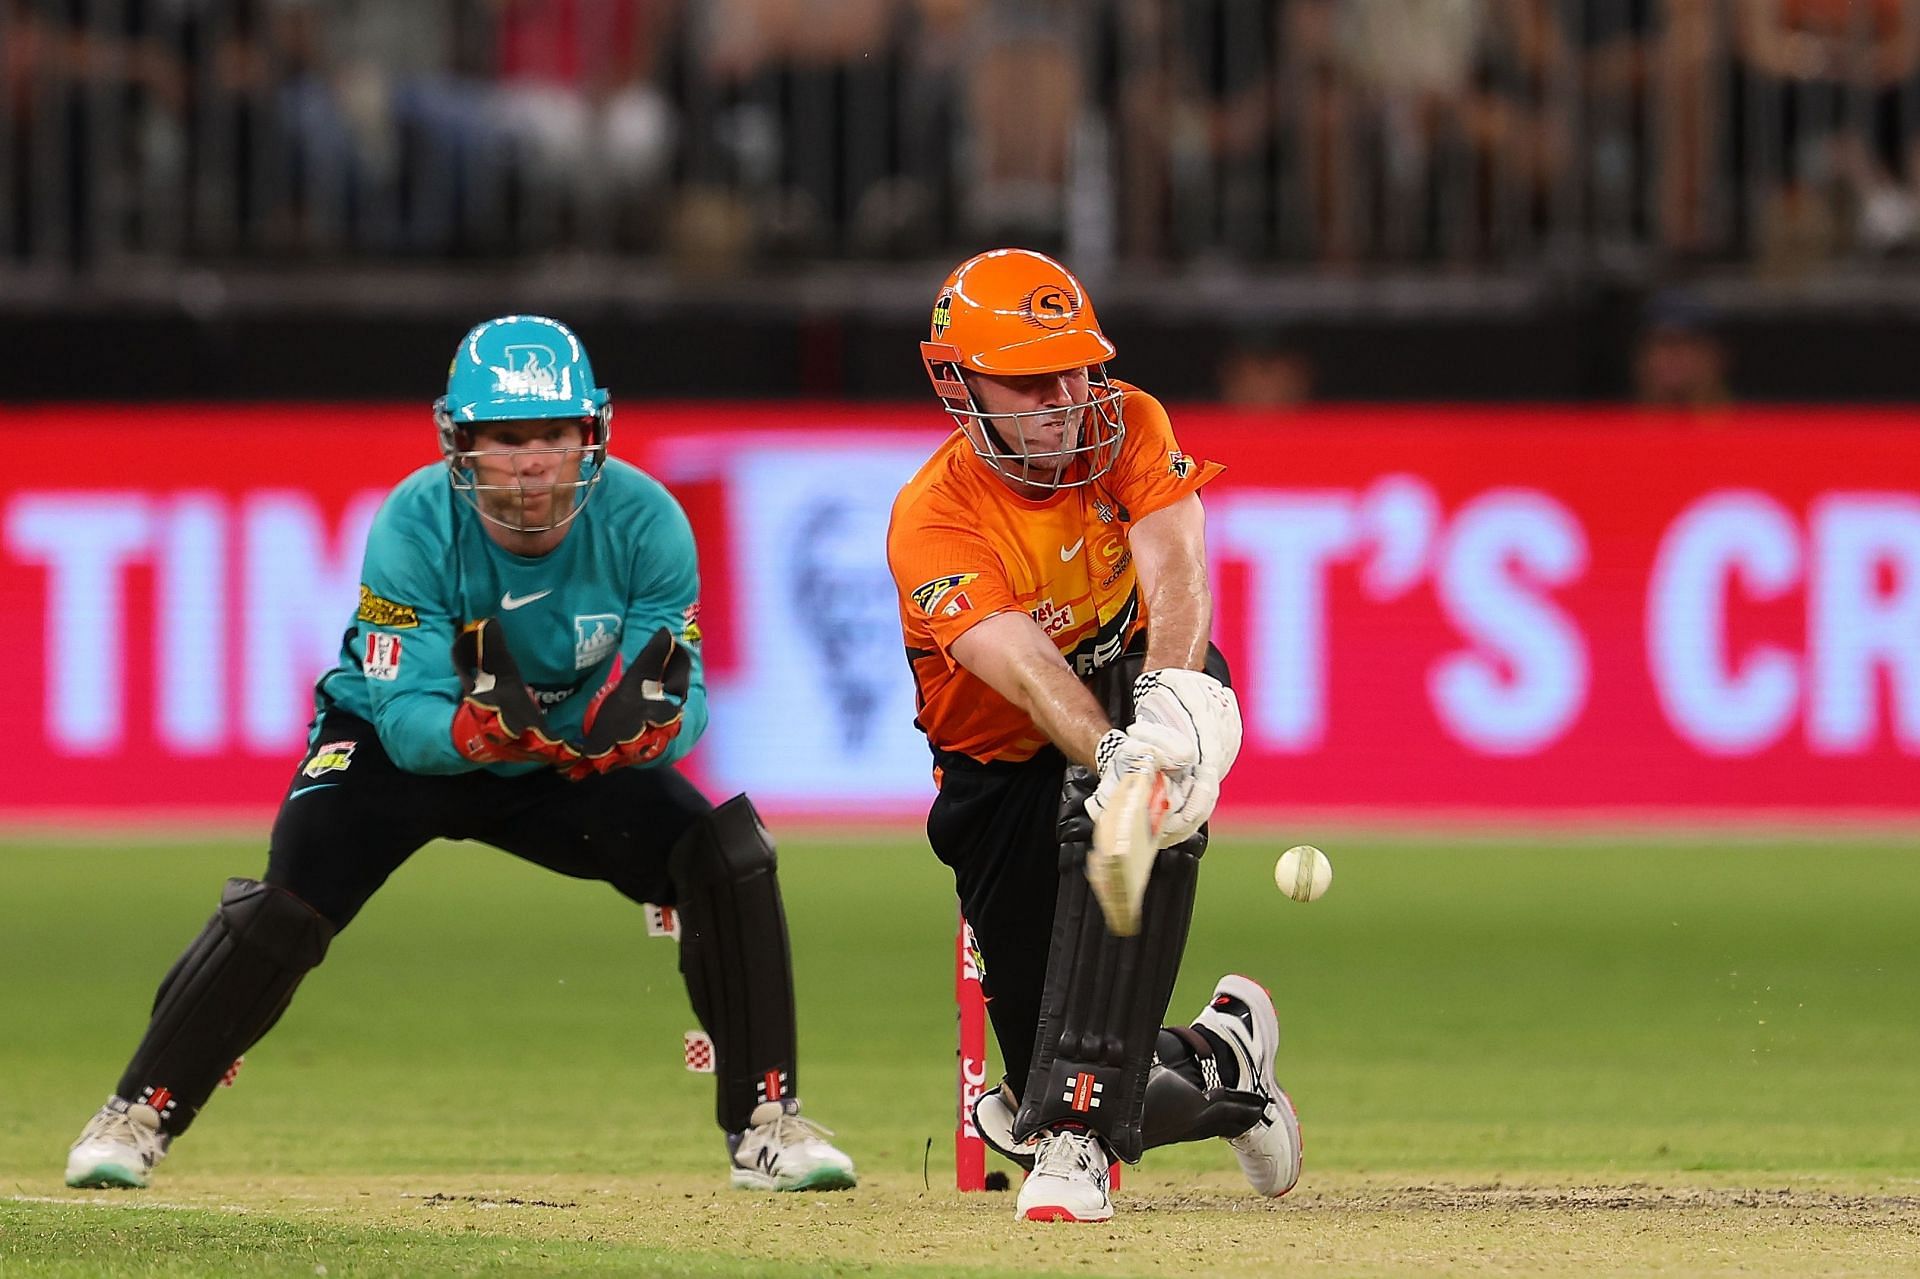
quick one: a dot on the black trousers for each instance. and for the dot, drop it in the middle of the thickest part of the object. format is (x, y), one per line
(350, 818)
(995, 825)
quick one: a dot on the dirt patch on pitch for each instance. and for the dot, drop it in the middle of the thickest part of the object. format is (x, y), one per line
(1344, 1224)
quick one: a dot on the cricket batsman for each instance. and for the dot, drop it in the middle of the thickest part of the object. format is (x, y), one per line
(523, 669)
(1050, 564)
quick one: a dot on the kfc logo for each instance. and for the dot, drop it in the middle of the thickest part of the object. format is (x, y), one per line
(382, 661)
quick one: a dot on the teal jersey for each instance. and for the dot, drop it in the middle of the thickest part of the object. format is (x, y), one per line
(625, 569)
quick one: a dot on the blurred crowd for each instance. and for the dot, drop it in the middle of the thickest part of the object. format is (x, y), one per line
(1343, 133)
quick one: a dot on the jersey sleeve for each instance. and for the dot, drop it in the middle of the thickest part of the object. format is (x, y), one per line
(1151, 472)
(949, 579)
(665, 592)
(404, 631)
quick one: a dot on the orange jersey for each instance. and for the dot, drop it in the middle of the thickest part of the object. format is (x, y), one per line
(963, 546)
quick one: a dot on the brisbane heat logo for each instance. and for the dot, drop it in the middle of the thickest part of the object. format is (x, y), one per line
(1050, 306)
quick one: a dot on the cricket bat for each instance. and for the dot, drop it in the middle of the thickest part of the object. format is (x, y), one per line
(1124, 846)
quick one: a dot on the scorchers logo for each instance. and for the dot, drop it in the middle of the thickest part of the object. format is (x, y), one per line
(1050, 306)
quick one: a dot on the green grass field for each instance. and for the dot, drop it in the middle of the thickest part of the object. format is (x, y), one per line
(1594, 1057)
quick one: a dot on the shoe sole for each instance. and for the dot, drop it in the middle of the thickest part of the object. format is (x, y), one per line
(1291, 1119)
(107, 1177)
(818, 1179)
(1053, 1212)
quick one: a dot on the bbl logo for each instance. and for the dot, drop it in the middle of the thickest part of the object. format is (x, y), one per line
(942, 314)
(1050, 306)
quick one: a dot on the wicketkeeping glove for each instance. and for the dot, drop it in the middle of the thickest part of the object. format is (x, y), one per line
(1138, 748)
(634, 716)
(498, 722)
(1205, 712)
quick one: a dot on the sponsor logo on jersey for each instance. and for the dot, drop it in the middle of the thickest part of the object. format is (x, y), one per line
(929, 594)
(1179, 465)
(1105, 511)
(690, 632)
(550, 696)
(376, 610)
(594, 636)
(334, 757)
(383, 656)
(1053, 618)
(957, 605)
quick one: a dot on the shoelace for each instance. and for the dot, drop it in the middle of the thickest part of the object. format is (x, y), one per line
(115, 1126)
(791, 1130)
(1069, 1153)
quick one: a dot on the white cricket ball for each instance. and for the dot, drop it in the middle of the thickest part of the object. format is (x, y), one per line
(1303, 873)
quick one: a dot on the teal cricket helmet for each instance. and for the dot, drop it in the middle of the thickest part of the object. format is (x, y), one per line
(521, 368)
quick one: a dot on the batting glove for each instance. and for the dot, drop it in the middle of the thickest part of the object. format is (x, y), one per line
(1138, 749)
(498, 722)
(1206, 713)
(635, 715)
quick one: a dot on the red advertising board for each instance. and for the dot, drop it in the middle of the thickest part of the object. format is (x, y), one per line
(1452, 611)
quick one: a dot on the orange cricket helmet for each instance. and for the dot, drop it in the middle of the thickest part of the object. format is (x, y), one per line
(1014, 312)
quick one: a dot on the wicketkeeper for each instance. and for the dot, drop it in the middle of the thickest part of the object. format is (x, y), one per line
(1050, 560)
(523, 669)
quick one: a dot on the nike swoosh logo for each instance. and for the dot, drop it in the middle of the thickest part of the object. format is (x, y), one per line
(510, 601)
(1068, 552)
(305, 790)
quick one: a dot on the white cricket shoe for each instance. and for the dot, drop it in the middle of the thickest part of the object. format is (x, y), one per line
(993, 1117)
(118, 1147)
(782, 1151)
(1241, 1013)
(1068, 1181)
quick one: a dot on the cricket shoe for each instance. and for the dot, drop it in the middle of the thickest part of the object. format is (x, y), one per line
(1241, 1015)
(118, 1147)
(782, 1151)
(993, 1117)
(1068, 1181)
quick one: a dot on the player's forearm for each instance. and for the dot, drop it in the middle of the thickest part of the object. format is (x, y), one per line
(1170, 554)
(1063, 709)
(1179, 619)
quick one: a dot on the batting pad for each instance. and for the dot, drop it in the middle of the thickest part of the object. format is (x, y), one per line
(1104, 997)
(734, 957)
(223, 993)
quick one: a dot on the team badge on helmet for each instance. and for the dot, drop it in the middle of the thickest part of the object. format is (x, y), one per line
(522, 368)
(1011, 312)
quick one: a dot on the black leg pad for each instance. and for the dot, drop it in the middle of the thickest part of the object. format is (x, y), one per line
(224, 992)
(734, 957)
(1104, 997)
(1178, 1110)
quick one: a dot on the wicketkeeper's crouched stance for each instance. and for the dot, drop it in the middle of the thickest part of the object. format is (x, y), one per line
(522, 669)
(1050, 560)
